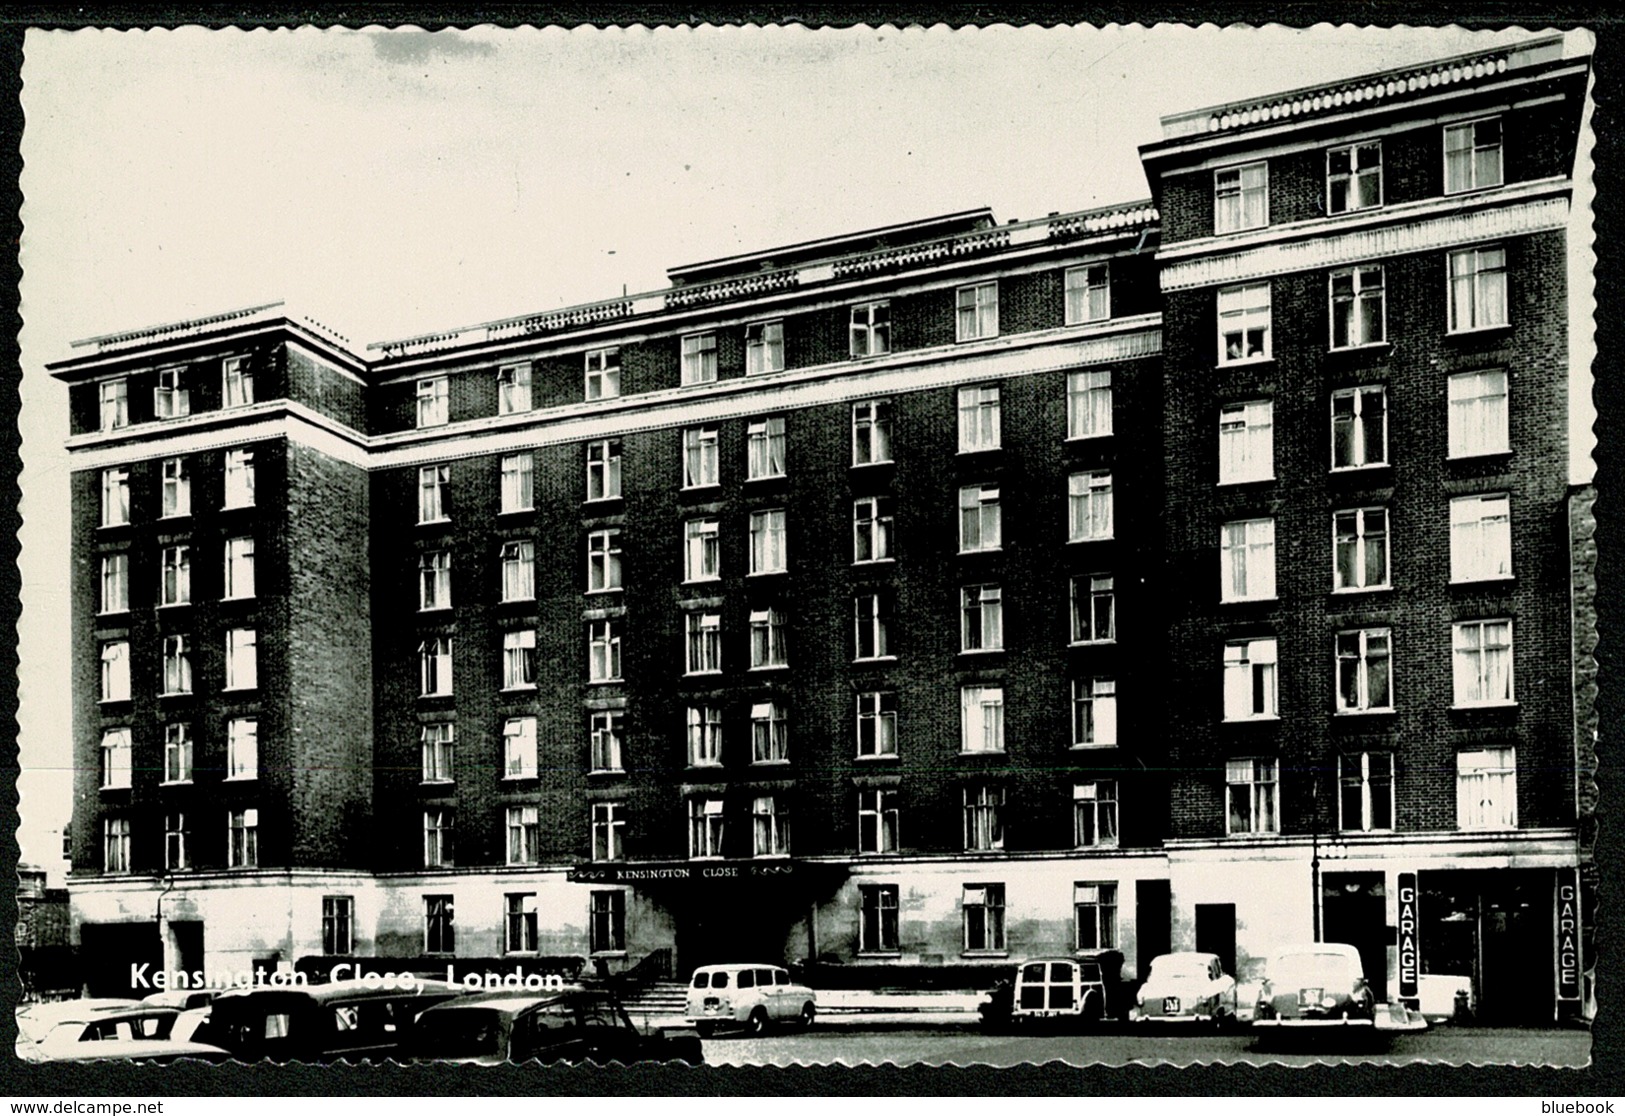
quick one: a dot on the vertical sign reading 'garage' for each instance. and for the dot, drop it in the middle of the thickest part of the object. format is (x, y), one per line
(1409, 933)
(1568, 936)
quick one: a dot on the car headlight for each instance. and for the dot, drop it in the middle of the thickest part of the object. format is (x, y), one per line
(1328, 1001)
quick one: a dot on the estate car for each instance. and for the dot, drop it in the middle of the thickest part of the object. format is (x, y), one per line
(752, 996)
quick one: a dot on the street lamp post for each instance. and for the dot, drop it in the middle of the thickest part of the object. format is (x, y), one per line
(1314, 855)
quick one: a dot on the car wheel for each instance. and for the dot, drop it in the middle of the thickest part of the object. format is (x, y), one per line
(757, 1023)
(1092, 1008)
(807, 1013)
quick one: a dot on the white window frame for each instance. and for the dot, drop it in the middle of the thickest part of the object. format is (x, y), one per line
(434, 666)
(1094, 712)
(702, 549)
(242, 749)
(765, 448)
(518, 560)
(236, 382)
(1349, 290)
(871, 615)
(1095, 905)
(521, 934)
(981, 719)
(978, 418)
(437, 746)
(1357, 773)
(514, 389)
(870, 330)
(704, 735)
(764, 347)
(1096, 816)
(1481, 537)
(873, 519)
(1247, 560)
(439, 924)
(1358, 424)
(1247, 442)
(176, 835)
(1252, 782)
(707, 828)
(1090, 506)
(115, 584)
(879, 821)
(769, 733)
(604, 560)
(519, 659)
(434, 580)
(872, 432)
(1353, 178)
(1356, 531)
(606, 922)
(699, 358)
(982, 910)
(1355, 647)
(770, 826)
(115, 497)
(981, 619)
(701, 457)
(608, 831)
(239, 568)
(604, 740)
(524, 835)
(702, 643)
(242, 659)
(1231, 203)
(175, 576)
(601, 375)
(769, 639)
(115, 670)
(603, 650)
(1475, 299)
(113, 400)
(1487, 788)
(243, 838)
(976, 311)
(433, 401)
(177, 665)
(171, 399)
(1243, 312)
(439, 825)
(1479, 424)
(878, 917)
(1085, 416)
(115, 846)
(1251, 679)
(239, 486)
(519, 750)
(1483, 662)
(769, 543)
(983, 817)
(1088, 293)
(876, 724)
(604, 470)
(518, 483)
(1453, 183)
(117, 765)
(1094, 609)
(433, 480)
(175, 489)
(981, 518)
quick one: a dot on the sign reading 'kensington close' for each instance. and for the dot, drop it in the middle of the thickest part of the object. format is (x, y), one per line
(631, 873)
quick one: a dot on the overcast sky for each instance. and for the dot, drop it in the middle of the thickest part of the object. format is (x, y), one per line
(389, 183)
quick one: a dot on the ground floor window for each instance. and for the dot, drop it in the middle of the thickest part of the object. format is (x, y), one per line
(983, 906)
(1096, 907)
(522, 934)
(338, 925)
(439, 924)
(877, 925)
(608, 923)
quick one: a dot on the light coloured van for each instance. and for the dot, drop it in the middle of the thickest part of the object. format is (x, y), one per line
(755, 997)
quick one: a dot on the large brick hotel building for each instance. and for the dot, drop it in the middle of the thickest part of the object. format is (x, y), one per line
(1203, 572)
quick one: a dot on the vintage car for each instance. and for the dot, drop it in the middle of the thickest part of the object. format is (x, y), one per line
(1315, 984)
(319, 1022)
(1186, 988)
(554, 1025)
(1055, 991)
(159, 1051)
(36, 1021)
(70, 1031)
(751, 996)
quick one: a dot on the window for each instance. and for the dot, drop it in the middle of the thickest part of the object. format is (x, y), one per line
(1094, 815)
(981, 716)
(115, 497)
(242, 659)
(603, 374)
(768, 639)
(606, 931)
(519, 748)
(704, 827)
(1472, 155)
(1244, 323)
(871, 329)
(1250, 679)
(604, 470)
(433, 401)
(1094, 609)
(242, 748)
(769, 733)
(871, 432)
(704, 643)
(764, 347)
(1478, 288)
(1478, 413)
(700, 457)
(764, 449)
(519, 570)
(115, 405)
(513, 389)
(519, 660)
(170, 399)
(1483, 662)
(434, 580)
(1095, 908)
(770, 826)
(1088, 404)
(432, 483)
(605, 741)
(437, 838)
(239, 578)
(604, 560)
(1241, 198)
(115, 844)
(1365, 799)
(239, 491)
(439, 924)
(243, 838)
(1247, 555)
(1251, 793)
(604, 651)
(979, 519)
(176, 492)
(877, 920)
(702, 550)
(116, 764)
(983, 907)
(1089, 506)
(177, 665)
(176, 837)
(1364, 671)
(115, 583)
(1358, 307)
(1246, 442)
(338, 925)
(608, 828)
(439, 743)
(521, 934)
(177, 754)
(981, 618)
(1353, 177)
(872, 616)
(1088, 294)
(116, 671)
(435, 659)
(767, 542)
(983, 829)
(1359, 427)
(877, 724)
(978, 419)
(1487, 789)
(1480, 537)
(978, 312)
(704, 736)
(877, 821)
(872, 529)
(1094, 712)
(1360, 549)
(524, 835)
(699, 358)
(238, 386)
(175, 585)
(518, 483)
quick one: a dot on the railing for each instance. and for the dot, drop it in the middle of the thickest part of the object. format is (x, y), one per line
(655, 967)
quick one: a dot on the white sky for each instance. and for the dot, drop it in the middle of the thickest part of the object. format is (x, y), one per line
(394, 183)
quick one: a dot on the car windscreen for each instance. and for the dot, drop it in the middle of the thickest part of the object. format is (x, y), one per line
(1312, 970)
(702, 980)
(1179, 968)
(465, 1032)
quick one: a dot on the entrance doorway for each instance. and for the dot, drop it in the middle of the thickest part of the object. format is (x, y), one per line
(1216, 933)
(1153, 931)
(1354, 911)
(109, 951)
(1494, 929)
(186, 940)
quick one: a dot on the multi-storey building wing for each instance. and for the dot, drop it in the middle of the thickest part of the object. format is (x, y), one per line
(855, 601)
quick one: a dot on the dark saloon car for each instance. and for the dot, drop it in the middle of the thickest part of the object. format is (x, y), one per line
(319, 1022)
(1316, 984)
(553, 1025)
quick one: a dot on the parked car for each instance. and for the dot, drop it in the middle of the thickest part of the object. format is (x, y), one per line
(1054, 989)
(35, 1021)
(752, 996)
(1315, 984)
(1186, 988)
(66, 1035)
(319, 1022)
(569, 1025)
(160, 1051)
